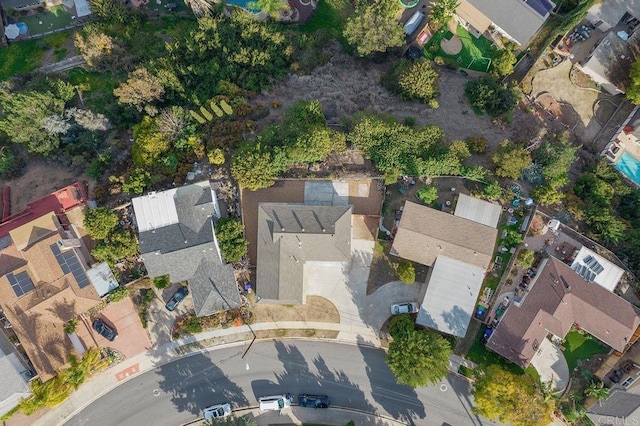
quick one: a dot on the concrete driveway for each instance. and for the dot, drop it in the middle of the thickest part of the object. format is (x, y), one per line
(123, 317)
(379, 303)
(551, 365)
(160, 321)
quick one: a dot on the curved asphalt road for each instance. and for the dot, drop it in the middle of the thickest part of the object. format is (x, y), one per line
(353, 376)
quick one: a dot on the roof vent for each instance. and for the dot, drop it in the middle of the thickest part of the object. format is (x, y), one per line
(302, 230)
(324, 230)
(282, 229)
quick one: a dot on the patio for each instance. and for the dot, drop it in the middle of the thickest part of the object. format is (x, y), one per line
(475, 54)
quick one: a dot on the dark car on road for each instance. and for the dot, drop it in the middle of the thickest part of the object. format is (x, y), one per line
(177, 297)
(315, 401)
(104, 330)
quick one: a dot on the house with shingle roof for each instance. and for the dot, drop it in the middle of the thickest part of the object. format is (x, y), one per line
(177, 238)
(559, 298)
(620, 408)
(292, 235)
(15, 378)
(43, 284)
(458, 248)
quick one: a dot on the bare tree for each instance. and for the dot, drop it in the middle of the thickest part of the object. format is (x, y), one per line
(200, 7)
(171, 121)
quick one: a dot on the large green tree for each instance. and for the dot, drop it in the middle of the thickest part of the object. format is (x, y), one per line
(149, 143)
(374, 27)
(118, 245)
(230, 236)
(502, 62)
(633, 91)
(415, 80)
(510, 159)
(506, 397)
(141, 90)
(443, 10)
(99, 222)
(486, 94)
(417, 357)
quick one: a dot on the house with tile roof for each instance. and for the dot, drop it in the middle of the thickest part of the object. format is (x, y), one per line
(458, 248)
(292, 235)
(43, 284)
(177, 238)
(558, 299)
(517, 20)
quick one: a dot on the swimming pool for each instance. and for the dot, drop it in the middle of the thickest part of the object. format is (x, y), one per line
(244, 4)
(629, 166)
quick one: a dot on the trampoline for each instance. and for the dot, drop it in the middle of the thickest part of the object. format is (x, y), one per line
(408, 4)
(22, 27)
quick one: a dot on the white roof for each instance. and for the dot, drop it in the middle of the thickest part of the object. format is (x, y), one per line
(597, 269)
(102, 278)
(155, 210)
(14, 385)
(451, 296)
(82, 8)
(478, 210)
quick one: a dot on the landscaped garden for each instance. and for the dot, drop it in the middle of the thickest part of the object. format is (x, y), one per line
(475, 53)
(55, 18)
(580, 345)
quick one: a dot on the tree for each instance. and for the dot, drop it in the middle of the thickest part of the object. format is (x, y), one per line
(547, 195)
(118, 245)
(502, 62)
(418, 357)
(633, 91)
(374, 27)
(140, 90)
(273, 8)
(492, 190)
(428, 194)
(149, 143)
(172, 122)
(506, 397)
(88, 120)
(93, 44)
(230, 236)
(254, 166)
(597, 391)
(510, 159)
(137, 181)
(487, 95)
(526, 258)
(443, 10)
(417, 80)
(99, 222)
(7, 160)
(477, 144)
(406, 272)
(200, 8)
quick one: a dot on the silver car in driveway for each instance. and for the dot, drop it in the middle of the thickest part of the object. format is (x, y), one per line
(405, 308)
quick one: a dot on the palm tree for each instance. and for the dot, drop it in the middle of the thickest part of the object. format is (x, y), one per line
(597, 391)
(200, 7)
(270, 7)
(443, 10)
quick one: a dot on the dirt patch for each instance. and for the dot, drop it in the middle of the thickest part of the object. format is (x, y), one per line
(563, 111)
(451, 47)
(383, 270)
(316, 309)
(38, 180)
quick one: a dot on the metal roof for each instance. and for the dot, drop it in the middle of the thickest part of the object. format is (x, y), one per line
(155, 210)
(102, 278)
(478, 210)
(451, 296)
(595, 268)
(82, 8)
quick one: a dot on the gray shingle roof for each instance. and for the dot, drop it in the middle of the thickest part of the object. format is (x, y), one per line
(290, 235)
(620, 408)
(186, 251)
(14, 386)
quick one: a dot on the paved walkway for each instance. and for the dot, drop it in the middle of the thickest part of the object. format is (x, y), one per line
(551, 365)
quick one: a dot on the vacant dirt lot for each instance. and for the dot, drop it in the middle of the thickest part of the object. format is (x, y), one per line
(316, 309)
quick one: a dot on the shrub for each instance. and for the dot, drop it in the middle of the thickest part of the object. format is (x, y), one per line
(417, 80)
(406, 272)
(486, 94)
(162, 282)
(192, 325)
(477, 144)
(525, 259)
(216, 156)
(117, 294)
(70, 326)
(99, 222)
(428, 194)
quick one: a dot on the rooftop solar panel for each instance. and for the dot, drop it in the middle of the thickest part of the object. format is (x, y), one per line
(20, 283)
(70, 264)
(542, 7)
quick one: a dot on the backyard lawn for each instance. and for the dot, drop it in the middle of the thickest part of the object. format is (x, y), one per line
(330, 15)
(482, 356)
(580, 346)
(475, 55)
(55, 18)
(25, 56)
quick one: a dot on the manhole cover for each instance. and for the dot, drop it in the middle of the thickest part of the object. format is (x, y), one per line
(443, 387)
(156, 392)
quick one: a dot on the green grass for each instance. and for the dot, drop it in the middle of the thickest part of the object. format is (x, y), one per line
(578, 346)
(533, 373)
(97, 89)
(475, 52)
(55, 18)
(20, 58)
(479, 354)
(330, 15)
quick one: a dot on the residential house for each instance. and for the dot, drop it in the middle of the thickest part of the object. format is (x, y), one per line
(607, 14)
(610, 62)
(459, 248)
(517, 20)
(45, 279)
(15, 376)
(177, 238)
(558, 299)
(595, 268)
(292, 235)
(620, 408)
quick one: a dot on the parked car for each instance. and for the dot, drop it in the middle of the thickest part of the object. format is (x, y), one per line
(315, 401)
(219, 411)
(413, 23)
(177, 297)
(405, 308)
(414, 53)
(104, 330)
(275, 402)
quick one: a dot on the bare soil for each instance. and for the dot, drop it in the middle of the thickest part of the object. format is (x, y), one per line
(316, 309)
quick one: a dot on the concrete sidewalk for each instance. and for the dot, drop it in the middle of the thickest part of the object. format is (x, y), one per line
(108, 380)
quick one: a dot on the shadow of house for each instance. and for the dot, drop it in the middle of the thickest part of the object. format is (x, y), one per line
(457, 320)
(177, 238)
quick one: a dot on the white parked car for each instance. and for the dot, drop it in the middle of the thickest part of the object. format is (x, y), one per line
(405, 308)
(275, 402)
(219, 411)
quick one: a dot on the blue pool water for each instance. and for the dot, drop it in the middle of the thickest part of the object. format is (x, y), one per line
(629, 166)
(243, 4)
